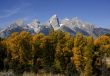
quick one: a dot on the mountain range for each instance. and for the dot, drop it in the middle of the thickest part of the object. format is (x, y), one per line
(72, 26)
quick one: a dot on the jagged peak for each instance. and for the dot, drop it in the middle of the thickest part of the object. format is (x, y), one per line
(78, 20)
(53, 18)
(75, 24)
(54, 15)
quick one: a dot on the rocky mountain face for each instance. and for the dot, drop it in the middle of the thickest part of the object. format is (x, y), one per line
(35, 25)
(77, 25)
(15, 27)
(72, 26)
(53, 22)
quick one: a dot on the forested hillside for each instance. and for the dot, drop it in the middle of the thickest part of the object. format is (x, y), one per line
(58, 52)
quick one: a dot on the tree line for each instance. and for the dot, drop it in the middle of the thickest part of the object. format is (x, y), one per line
(58, 52)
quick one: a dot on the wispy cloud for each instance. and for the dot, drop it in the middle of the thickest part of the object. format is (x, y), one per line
(10, 12)
(15, 10)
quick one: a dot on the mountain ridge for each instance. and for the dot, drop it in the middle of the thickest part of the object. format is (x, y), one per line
(72, 26)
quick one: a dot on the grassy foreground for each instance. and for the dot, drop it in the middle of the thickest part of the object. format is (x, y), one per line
(11, 73)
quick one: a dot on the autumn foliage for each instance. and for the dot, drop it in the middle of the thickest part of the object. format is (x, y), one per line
(58, 52)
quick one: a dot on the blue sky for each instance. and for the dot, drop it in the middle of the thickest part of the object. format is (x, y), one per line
(92, 11)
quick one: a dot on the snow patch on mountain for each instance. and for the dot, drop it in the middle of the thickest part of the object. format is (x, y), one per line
(72, 26)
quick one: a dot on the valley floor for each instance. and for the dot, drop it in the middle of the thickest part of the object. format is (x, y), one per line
(10, 73)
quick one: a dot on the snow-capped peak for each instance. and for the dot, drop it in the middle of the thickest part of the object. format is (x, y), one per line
(54, 16)
(54, 21)
(61, 25)
(68, 25)
(35, 23)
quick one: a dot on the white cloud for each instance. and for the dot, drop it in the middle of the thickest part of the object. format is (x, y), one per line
(10, 12)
